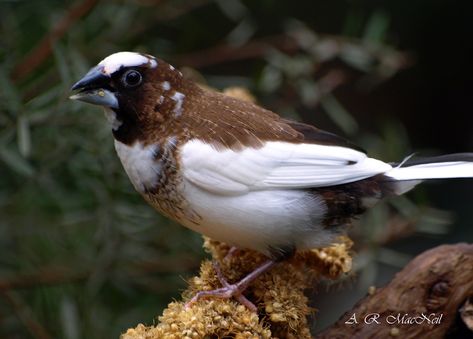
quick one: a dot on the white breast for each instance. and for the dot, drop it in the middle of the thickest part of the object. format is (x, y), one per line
(140, 164)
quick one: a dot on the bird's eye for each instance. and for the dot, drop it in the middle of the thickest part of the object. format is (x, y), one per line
(132, 78)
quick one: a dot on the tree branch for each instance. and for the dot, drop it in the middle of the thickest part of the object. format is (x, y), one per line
(437, 283)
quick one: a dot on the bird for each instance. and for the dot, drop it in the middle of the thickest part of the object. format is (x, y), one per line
(237, 172)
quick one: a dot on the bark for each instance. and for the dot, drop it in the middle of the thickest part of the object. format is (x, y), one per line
(438, 283)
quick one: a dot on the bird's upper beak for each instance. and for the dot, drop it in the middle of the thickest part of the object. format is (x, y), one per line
(92, 88)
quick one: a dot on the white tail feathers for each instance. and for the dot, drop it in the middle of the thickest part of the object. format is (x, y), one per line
(439, 170)
(412, 175)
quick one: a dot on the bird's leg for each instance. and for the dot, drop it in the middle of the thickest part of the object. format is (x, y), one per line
(233, 290)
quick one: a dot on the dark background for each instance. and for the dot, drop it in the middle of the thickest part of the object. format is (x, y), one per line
(82, 256)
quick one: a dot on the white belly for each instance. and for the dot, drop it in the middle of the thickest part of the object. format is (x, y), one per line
(259, 219)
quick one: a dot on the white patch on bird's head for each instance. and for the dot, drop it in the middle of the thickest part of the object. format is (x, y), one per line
(115, 61)
(178, 97)
(166, 85)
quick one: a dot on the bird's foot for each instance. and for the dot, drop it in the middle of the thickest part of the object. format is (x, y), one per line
(232, 290)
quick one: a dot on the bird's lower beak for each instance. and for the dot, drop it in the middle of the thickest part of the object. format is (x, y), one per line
(102, 97)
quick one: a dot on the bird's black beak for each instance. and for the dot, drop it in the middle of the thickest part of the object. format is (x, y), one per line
(93, 88)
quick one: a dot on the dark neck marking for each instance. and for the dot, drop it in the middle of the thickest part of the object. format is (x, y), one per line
(128, 132)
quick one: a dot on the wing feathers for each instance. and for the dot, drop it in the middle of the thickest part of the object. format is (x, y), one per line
(275, 165)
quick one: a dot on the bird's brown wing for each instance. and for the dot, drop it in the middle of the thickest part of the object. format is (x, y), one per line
(233, 123)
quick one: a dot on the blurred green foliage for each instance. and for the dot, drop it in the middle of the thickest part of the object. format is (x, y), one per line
(81, 254)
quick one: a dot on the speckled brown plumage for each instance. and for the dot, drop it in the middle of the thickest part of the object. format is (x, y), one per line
(221, 120)
(166, 196)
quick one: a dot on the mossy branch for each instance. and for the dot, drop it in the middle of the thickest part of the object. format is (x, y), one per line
(279, 295)
(438, 281)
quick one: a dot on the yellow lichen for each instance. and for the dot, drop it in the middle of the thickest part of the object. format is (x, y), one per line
(278, 294)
